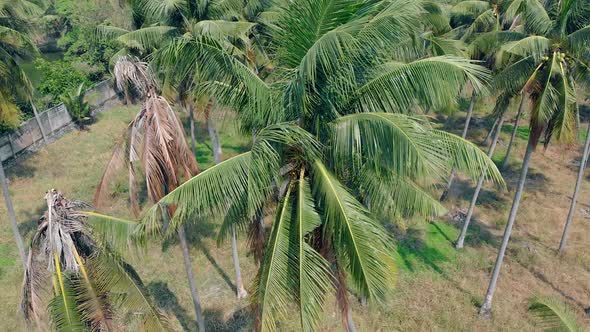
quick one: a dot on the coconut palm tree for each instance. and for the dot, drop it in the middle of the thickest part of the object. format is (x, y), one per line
(78, 108)
(579, 180)
(155, 142)
(91, 283)
(470, 18)
(335, 81)
(548, 60)
(14, 84)
(227, 21)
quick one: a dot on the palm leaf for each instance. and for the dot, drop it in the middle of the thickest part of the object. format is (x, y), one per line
(361, 245)
(147, 38)
(554, 315)
(63, 309)
(273, 287)
(314, 277)
(432, 82)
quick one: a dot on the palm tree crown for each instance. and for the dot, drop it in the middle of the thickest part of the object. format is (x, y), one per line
(334, 147)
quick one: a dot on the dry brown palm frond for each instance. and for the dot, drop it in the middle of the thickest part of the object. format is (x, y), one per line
(129, 71)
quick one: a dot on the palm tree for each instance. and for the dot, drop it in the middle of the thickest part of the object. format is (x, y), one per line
(519, 113)
(78, 108)
(472, 17)
(335, 81)
(14, 84)
(570, 215)
(154, 141)
(501, 106)
(547, 60)
(91, 283)
(224, 20)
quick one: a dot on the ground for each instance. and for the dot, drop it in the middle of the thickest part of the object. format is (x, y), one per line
(438, 287)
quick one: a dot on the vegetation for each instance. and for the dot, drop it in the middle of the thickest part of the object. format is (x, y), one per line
(345, 132)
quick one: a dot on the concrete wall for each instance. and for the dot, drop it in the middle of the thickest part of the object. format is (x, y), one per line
(55, 121)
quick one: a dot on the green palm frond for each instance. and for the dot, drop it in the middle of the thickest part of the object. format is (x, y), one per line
(431, 82)
(273, 287)
(535, 46)
(361, 244)
(513, 78)
(470, 8)
(536, 18)
(111, 274)
(147, 38)
(406, 145)
(162, 11)
(390, 195)
(314, 277)
(554, 315)
(63, 310)
(579, 41)
(485, 45)
(107, 32)
(118, 233)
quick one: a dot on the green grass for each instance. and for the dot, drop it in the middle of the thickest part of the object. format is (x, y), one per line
(522, 132)
(427, 247)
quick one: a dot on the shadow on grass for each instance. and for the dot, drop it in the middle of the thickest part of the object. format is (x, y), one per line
(31, 220)
(195, 233)
(165, 299)
(239, 321)
(431, 248)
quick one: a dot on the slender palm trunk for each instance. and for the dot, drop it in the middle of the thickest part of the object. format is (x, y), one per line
(486, 142)
(461, 239)
(191, 115)
(486, 308)
(12, 217)
(213, 134)
(38, 120)
(570, 215)
(241, 291)
(349, 321)
(191, 278)
(514, 131)
(445, 193)
(218, 156)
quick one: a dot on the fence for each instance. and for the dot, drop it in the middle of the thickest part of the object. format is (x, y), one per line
(55, 122)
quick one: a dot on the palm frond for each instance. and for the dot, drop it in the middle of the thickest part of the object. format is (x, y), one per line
(535, 46)
(361, 245)
(148, 38)
(434, 82)
(536, 18)
(273, 287)
(314, 278)
(407, 146)
(579, 41)
(554, 315)
(62, 309)
(110, 273)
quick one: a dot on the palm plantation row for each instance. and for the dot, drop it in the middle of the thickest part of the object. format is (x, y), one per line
(332, 95)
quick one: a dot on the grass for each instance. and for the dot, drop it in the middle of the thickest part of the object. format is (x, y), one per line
(438, 287)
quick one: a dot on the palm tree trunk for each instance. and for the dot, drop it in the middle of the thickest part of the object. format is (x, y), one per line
(213, 134)
(12, 217)
(218, 156)
(191, 115)
(570, 215)
(445, 193)
(492, 131)
(241, 291)
(461, 239)
(486, 308)
(514, 131)
(191, 278)
(38, 120)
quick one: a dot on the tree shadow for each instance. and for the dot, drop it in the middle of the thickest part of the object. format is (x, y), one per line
(195, 233)
(19, 168)
(165, 299)
(413, 247)
(239, 320)
(31, 218)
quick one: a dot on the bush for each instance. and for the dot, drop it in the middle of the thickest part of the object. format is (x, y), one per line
(59, 77)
